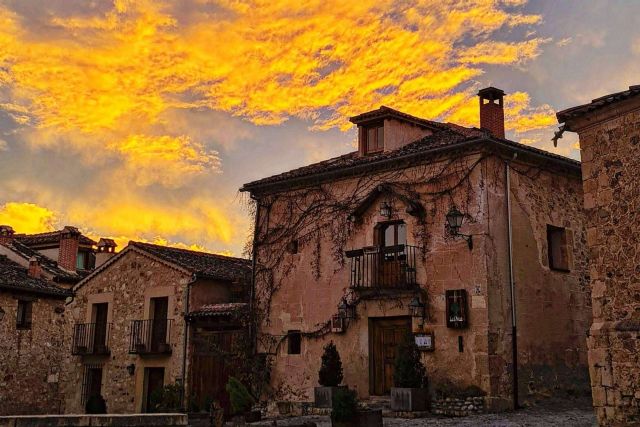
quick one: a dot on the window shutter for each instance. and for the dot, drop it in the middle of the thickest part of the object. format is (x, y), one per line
(20, 314)
(27, 312)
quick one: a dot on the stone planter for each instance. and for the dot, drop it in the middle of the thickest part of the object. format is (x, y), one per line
(409, 399)
(368, 418)
(323, 396)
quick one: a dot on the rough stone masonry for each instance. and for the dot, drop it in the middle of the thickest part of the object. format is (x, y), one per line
(609, 130)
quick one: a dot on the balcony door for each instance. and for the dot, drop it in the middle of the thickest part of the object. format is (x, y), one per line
(100, 317)
(391, 237)
(160, 311)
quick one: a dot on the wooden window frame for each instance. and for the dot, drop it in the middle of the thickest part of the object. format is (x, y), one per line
(378, 146)
(24, 314)
(551, 230)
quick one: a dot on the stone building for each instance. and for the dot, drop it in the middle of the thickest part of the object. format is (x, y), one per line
(31, 329)
(146, 318)
(358, 250)
(609, 131)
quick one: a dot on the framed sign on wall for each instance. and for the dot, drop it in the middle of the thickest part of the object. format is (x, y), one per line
(456, 312)
(425, 341)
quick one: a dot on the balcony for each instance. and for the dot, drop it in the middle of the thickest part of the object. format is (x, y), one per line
(390, 267)
(150, 337)
(91, 339)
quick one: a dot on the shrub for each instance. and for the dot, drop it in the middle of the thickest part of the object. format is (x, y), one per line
(240, 398)
(409, 371)
(345, 406)
(96, 405)
(330, 374)
(166, 399)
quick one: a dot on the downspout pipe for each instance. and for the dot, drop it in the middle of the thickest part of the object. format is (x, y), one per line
(514, 326)
(185, 340)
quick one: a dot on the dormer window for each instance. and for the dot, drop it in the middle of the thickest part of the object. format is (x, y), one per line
(374, 138)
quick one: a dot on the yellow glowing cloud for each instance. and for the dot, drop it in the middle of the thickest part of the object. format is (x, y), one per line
(263, 60)
(166, 160)
(27, 217)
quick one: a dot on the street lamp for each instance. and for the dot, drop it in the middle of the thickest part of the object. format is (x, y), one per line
(131, 369)
(385, 209)
(416, 308)
(455, 219)
(346, 310)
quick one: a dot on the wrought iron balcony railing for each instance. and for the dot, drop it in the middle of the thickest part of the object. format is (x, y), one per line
(383, 267)
(91, 338)
(151, 336)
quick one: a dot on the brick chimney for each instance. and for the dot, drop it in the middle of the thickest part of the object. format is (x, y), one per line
(106, 249)
(68, 252)
(6, 234)
(492, 110)
(34, 268)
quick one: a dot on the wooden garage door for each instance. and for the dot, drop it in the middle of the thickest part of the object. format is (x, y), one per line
(385, 335)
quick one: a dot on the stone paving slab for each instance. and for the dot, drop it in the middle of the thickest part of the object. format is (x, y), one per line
(563, 414)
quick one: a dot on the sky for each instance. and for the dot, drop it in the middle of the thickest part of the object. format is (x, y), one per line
(140, 120)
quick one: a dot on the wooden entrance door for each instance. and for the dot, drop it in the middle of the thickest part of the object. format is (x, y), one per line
(154, 380)
(385, 335)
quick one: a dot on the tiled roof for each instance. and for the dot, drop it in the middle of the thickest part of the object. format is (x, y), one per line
(216, 310)
(200, 263)
(597, 103)
(51, 237)
(16, 278)
(452, 137)
(385, 112)
(46, 263)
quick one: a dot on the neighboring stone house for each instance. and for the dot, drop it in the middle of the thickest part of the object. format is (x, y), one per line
(609, 131)
(31, 344)
(65, 256)
(357, 250)
(133, 318)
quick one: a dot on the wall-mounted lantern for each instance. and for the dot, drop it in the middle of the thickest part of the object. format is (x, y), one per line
(346, 310)
(1, 314)
(416, 308)
(131, 369)
(455, 219)
(385, 209)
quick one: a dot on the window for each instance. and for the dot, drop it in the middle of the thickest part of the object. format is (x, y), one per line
(23, 319)
(374, 139)
(292, 247)
(295, 342)
(81, 261)
(558, 248)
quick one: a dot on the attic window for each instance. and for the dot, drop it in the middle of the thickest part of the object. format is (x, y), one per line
(373, 138)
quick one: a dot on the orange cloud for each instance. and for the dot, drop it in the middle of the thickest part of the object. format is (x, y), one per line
(27, 217)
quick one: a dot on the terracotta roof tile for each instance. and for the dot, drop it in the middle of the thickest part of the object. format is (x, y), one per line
(201, 263)
(214, 310)
(15, 277)
(45, 262)
(51, 237)
(597, 103)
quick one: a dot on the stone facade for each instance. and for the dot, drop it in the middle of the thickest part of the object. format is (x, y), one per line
(609, 134)
(126, 286)
(299, 285)
(31, 358)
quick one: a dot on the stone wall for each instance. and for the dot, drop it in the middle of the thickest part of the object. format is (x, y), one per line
(458, 407)
(30, 360)
(127, 285)
(610, 146)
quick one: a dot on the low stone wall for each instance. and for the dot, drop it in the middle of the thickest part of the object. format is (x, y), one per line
(458, 407)
(128, 420)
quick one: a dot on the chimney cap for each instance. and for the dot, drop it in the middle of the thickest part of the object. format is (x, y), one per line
(33, 259)
(70, 230)
(491, 92)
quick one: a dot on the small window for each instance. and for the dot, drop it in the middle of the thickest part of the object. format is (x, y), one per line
(292, 247)
(81, 261)
(295, 342)
(558, 248)
(23, 319)
(374, 138)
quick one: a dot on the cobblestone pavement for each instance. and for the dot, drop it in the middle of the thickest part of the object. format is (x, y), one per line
(575, 413)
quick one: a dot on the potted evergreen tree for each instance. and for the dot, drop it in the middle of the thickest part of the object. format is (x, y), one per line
(241, 402)
(410, 380)
(329, 377)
